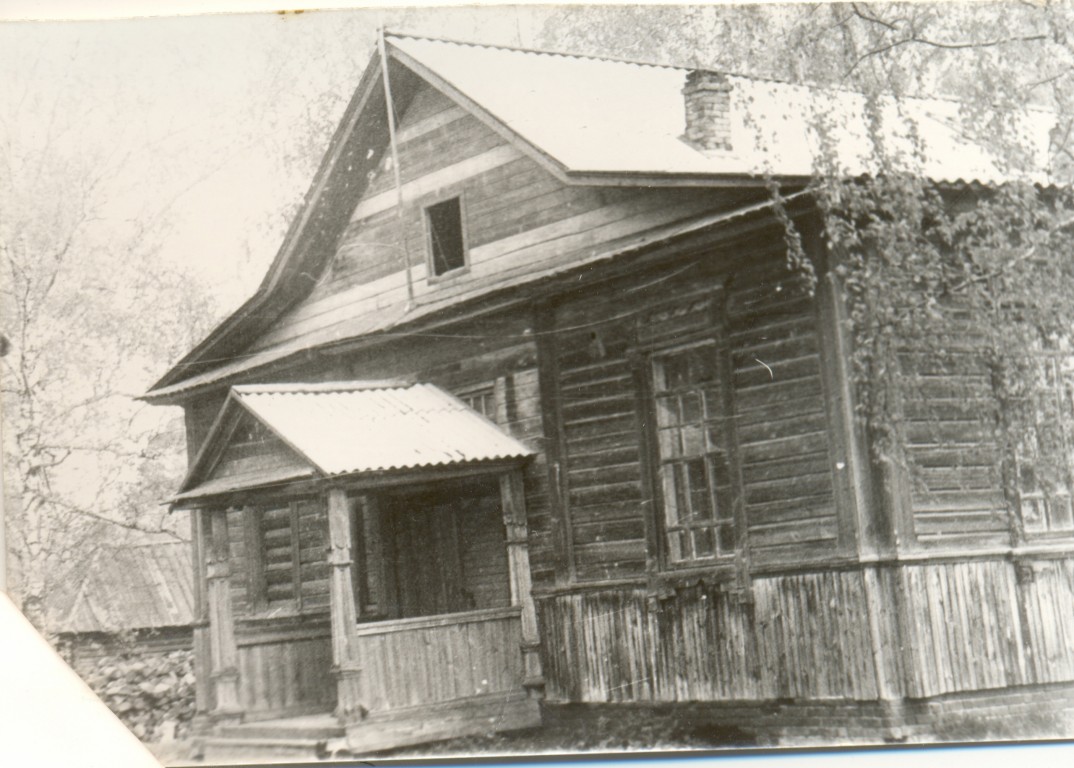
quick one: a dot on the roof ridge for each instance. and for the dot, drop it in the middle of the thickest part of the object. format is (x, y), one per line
(634, 62)
(809, 84)
(542, 52)
(322, 386)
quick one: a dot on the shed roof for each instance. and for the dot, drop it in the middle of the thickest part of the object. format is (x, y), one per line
(148, 586)
(355, 427)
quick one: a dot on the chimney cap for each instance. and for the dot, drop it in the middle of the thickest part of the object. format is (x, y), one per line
(706, 79)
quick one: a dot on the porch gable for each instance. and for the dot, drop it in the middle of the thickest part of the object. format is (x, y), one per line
(267, 435)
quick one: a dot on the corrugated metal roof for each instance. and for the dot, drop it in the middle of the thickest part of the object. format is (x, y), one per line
(354, 427)
(141, 587)
(597, 115)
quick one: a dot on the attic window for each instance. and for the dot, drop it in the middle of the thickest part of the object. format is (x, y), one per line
(447, 252)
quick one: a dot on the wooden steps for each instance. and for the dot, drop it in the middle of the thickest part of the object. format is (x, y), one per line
(295, 738)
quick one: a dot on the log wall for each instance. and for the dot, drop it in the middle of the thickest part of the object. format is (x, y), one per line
(602, 342)
(955, 483)
(276, 553)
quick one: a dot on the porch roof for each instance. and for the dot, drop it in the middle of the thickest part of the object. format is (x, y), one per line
(348, 428)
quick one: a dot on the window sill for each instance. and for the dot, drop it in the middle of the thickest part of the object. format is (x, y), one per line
(446, 278)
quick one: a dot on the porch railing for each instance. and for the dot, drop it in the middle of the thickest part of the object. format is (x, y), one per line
(433, 659)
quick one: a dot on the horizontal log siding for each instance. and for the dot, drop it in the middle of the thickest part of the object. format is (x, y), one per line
(441, 659)
(954, 462)
(805, 636)
(599, 406)
(285, 671)
(780, 417)
(313, 532)
(518, 219)
(779, 410)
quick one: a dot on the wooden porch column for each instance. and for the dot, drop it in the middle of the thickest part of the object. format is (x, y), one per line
(513, 501)
(201, 543)
(224, 652)
(345, 662)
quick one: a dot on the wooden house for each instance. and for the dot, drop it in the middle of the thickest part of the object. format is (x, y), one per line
(530, 411)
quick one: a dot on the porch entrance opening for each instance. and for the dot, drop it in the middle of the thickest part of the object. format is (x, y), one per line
(432, 550)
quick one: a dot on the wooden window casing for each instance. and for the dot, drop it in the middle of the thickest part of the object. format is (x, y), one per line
(694, 445)
(482, 400)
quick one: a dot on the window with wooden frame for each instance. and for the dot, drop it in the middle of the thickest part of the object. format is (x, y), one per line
(691, 394)
(481, 399)
(446, 241)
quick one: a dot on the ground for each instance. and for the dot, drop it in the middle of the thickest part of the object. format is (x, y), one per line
(595, 735)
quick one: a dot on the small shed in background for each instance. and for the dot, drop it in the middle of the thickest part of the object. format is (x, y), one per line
(131, 598)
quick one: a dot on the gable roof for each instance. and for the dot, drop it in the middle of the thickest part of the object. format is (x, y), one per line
(595, 121)
(149, 586)
(348, 428)
(599, 117)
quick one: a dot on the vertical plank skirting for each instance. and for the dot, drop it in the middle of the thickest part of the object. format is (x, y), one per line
(875, 633)
(224, 653)
(810, 634)
(350, 704)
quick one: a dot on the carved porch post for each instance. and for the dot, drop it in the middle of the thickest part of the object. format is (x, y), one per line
(201, 542)
(513, 501)
(345, 661)
(224, 652)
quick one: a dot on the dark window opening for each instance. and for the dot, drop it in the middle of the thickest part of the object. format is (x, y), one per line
(446, 249)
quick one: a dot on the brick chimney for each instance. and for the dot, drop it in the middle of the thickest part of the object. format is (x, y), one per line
(707, 96)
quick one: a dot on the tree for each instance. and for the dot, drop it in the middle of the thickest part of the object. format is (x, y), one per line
(91, 315)
(941, 277)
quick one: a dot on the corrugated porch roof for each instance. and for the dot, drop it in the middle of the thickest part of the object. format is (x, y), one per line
(353, 428)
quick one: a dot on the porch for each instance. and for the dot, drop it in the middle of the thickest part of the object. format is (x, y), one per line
(372, 608)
